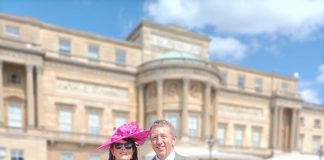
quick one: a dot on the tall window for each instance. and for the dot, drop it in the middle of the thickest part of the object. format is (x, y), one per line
(64, 46)
(241, 81)
(300, 142)
(66, 156)
(120, 57)
(317, 123)
(94, 123)
(17, 154)
(2, 153)
(120, 120)
(224, 78)
(193, 126)
(93, 52)
(238, 136)
(65, 120)
(13, 31)
(174, 120)
(316, 144)
(94, 157)
(258, 85)
(15, 116)
(256, 137)
(151, 119)
(302, 121)
(221, 132)
(284, 86)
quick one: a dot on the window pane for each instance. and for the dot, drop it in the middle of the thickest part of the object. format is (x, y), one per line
(12, 31)
(120, 120)
(17, 154)
(256, 137)
(193, 126)
(93, 52)
(223, 77)
(15, 116)
(316, 144)
(238, 137)
(64, 46)
(65, 120)
(93, 157)
(94, 123)
(258, 84)
(174, 120)
(2, 152)
(66, 156)
(120, 57)
(241, 81)
(221, 134)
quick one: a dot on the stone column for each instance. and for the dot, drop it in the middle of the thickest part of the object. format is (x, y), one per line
(184, 113)
(206, 112)
(279, 135)
(297, 128)
(1, 96)
(160, 99)
(140, 104)
(293, 129)
(30, 96)
(215, 114)
(275, 127)
(40, 109)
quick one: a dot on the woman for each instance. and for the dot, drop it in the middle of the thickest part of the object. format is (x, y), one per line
(123, 143)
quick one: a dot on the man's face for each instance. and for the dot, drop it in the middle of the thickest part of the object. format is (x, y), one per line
(162, 141)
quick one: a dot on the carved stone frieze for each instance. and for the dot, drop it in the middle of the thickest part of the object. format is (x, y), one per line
(18, 57)
(174, 44)
(108, 92)
(240, 112)
(195, 90)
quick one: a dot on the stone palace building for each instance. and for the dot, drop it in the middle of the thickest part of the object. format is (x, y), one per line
(63, 91)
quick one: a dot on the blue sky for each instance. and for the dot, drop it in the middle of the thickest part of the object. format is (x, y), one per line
(285, 37)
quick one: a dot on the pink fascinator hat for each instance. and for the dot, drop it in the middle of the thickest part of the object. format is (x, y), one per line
(129, 130)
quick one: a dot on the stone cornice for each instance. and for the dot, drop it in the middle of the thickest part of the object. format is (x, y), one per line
(167, 28)
(35, 22)
(240, 68)
(90, 66)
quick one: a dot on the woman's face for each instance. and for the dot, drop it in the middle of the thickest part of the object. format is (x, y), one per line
(122, 150)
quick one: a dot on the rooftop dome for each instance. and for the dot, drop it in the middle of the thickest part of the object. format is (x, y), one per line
(177, 55)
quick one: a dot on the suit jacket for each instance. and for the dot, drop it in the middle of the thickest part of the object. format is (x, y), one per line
(177, 157)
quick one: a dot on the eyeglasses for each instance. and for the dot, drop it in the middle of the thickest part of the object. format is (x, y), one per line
(128, 145)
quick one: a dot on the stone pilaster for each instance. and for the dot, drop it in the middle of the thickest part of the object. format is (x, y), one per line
(293, 129)
(160, 99)
(206, 112)
(1, 95)
(184, 111)
(275, 127)
(140, 104)
(280, 129)
(40, 107)
(30, 96)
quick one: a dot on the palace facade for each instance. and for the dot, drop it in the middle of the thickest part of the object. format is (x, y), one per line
(63, 92)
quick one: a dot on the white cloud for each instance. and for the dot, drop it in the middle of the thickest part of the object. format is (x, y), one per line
(310, 96)
(227, 49)
(320, 77)
(290, 17)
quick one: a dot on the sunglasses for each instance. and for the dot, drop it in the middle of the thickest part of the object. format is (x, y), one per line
(128, 145)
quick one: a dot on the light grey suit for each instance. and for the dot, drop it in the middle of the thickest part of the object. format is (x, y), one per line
(177, 157)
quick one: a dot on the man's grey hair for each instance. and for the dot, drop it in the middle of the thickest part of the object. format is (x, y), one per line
(163, 123)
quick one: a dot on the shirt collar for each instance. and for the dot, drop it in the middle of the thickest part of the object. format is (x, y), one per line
(171, 156)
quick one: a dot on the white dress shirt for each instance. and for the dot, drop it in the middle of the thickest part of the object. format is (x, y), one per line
(170, 157)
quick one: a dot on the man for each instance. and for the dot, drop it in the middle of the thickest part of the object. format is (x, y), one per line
(163, 138)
